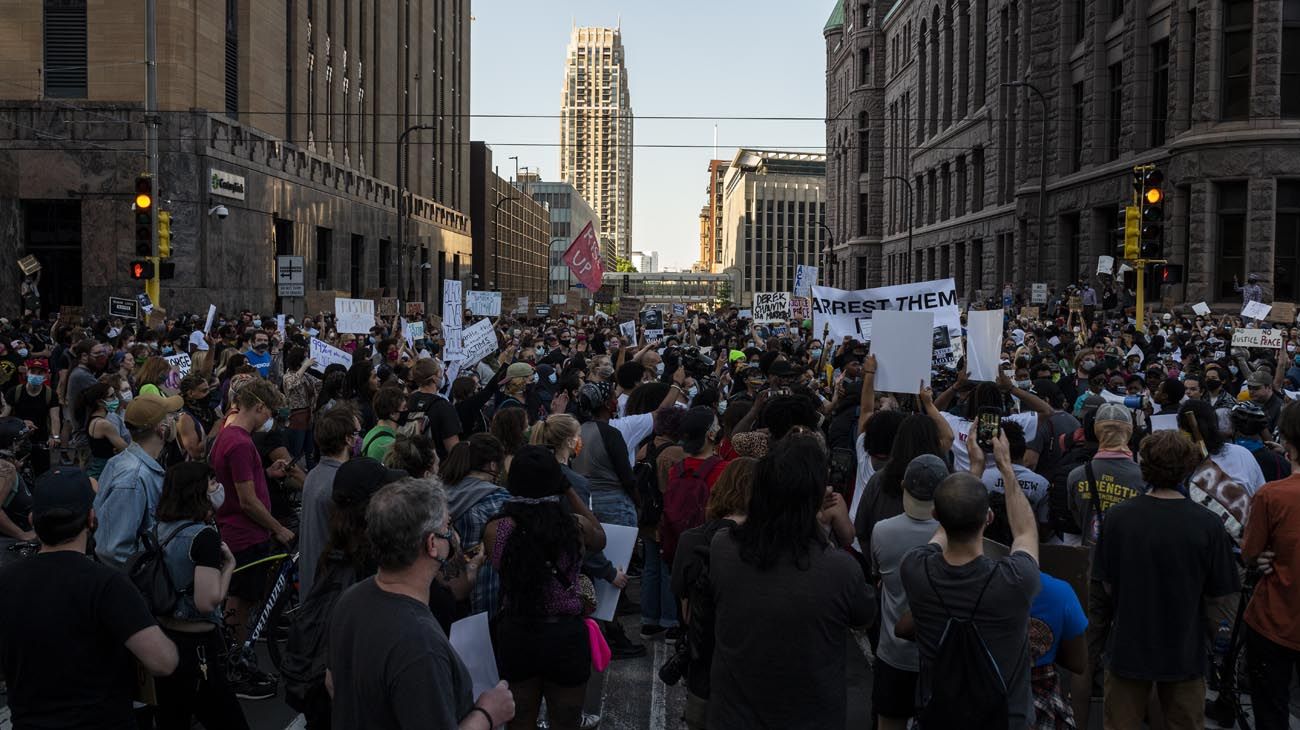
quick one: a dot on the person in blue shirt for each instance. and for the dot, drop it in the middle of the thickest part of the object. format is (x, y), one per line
(1056, 636)
(259, 355)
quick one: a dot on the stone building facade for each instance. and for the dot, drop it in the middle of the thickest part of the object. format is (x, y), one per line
(300, 103)
(1202, 89)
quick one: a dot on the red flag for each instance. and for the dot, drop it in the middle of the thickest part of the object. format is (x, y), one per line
(583, 258)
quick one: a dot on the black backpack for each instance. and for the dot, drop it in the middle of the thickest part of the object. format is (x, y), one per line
(699, 634)
(645, 475)
(967, 689)
(306, 652)
(147, 570)
(1059, 517)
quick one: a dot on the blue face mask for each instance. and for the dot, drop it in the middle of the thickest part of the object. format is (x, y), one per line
(816, 354)
(168, 350)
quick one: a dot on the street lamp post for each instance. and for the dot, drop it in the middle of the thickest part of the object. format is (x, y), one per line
(911, 219)
(829, 251)
(496, 237)
(402, 284)
(1042, 176)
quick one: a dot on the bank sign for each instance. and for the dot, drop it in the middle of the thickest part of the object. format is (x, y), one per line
(225, 184)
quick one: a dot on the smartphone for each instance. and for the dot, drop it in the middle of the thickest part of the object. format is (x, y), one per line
(989, 423)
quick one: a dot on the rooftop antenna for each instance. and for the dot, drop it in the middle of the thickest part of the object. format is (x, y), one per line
(715, 141)
(620, 22)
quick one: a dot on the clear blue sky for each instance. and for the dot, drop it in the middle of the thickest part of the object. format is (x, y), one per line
(733, 58)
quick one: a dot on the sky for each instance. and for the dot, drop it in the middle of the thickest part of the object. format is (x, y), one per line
(711, 58)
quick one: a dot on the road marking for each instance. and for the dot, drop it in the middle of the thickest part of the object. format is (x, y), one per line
(658, 698)
(299, 723)
(4, 718)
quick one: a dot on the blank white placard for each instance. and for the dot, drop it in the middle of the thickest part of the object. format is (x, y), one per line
(903, 344)
(983, 343)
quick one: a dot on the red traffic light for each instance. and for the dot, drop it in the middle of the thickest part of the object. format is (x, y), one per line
(141, 270)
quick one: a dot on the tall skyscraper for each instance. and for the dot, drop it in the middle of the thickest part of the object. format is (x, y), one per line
(596, 130)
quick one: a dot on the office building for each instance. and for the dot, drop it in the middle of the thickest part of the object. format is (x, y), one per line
(512, 236)
(286, 115)
(596, 130)
(712, 215)
(772, 204)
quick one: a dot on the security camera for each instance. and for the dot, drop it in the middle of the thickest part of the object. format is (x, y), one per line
(426, 266)
(219, 211)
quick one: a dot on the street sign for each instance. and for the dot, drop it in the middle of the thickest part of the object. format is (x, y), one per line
(289, 276)
(123, 307)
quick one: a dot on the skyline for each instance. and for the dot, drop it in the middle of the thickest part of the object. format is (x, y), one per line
(669, 181)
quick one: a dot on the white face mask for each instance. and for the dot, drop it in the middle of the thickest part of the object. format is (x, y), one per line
(659, 369)
(217, 496)
(270, 424)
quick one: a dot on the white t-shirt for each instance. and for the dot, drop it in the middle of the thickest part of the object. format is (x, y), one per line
(1033, 484)
(197, 342)
(622, 404)
(961, 432)
(635, 429)
(866, 470)
(1240, 465)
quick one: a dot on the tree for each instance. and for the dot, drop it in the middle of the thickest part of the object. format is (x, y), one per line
(724, 294)
(624, 266)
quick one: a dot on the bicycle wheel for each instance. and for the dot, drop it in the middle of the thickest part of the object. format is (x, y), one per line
(276, 632)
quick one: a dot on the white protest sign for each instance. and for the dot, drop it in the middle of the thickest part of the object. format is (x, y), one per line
(180, 362)
(477, 342)
(484, 303)
(1105, 264)
(1201, 308)
(326, 355)
(771, 307)
(903, 359)
(1165, 422)
(1266, 339)
(415, 330)
(1256, 310)
(745, 314)
(804, 279)
(619, 541)
(471, 637)
(847, 311)
(983, 344)
(1292, 394)
(406, 334)
(679, 310)
(354, 316)
(279, 324)
(212, 314)
(452, 319)
(628, 330)
(1038, 294)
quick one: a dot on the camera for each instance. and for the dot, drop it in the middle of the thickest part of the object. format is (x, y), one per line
(675, 668)
(696, 364)
(220, 211)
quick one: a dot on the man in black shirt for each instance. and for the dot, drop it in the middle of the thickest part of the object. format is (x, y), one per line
(34, 401)
(72, 630)
(401, 672)
(1158, 556)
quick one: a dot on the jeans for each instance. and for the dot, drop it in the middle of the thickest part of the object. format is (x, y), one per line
(658, 604)
(613, 507)
(1270, 667)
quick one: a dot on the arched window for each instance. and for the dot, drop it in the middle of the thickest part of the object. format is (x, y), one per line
(934, 71)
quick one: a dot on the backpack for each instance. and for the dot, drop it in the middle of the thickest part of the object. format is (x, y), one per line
(147, 571)
(968, 689)
(645, 475)
(306, 651)
(685, 497)
(699, 634)
(1059, 517)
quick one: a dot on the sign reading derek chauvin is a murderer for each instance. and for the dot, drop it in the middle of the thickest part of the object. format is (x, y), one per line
(1265, 339)
(770, 307)
(848, 313)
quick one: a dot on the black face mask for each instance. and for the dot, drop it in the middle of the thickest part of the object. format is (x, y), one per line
(1212, 384)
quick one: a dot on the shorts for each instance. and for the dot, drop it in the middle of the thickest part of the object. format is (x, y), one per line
(250, 584)
(893, 691)
(556, 651)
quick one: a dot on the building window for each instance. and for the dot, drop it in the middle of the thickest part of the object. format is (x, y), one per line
(1080, 19)
(920, 85)
(1116, 9)
(385, 251)
(864, 67)
(931, 206)
(961, 186)
(919, 189)
(232, 58)
(977, 181)
(1237, 54)
(1291, 58)
(861, 282)
(864, 214)
(963, 60)
(1115, 110)
(945, 185)
(324, 242)
(1073, 235)
(1286, 254)
(1076, 141)
(1231, 254)
(356, 260)
(979, 69)
(1159, 92)
(64, 38)
(864, 143)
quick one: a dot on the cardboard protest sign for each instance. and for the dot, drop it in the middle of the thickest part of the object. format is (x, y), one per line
(903, 359)
(1105, 264)
(800, 308)
(452, 318)
(983, 344)
(1283, 312)
(771, 307)
(1201, 308)
(483, 303)
(181, 362)
(354, 316)
(29, 265)
(1029, 312)
(804, 279)
(1256, 310)
(415, 309)
(1266, 339)
(386, 306)
(325, 355)
(848, 311)
(629, 308)
(477, 341)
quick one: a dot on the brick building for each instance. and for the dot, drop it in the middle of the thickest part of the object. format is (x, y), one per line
(300, 104)
(1208, 91)
(512, 235)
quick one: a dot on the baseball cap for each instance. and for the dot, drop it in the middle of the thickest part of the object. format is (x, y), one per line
(63, 488)
(147, 411)
(38, 363)
(519, 370)
(1259, 379)
(535, 474)
(358, 479)
(923, 475)
(1113, 412)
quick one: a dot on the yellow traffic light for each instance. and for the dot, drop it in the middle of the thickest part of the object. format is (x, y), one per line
(143, 201)
(1154, 195)
(1132, 232)
(164, 234)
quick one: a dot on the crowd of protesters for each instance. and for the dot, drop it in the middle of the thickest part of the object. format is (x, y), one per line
(1072, 537)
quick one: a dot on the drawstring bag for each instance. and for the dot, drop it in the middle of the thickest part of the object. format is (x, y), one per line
(600, 653)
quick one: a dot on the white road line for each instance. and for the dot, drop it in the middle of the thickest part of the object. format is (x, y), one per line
(658, 698)
(4, 718)
(299, 723)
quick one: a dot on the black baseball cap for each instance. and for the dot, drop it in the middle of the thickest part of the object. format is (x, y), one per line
(359, 478)
(63, 488)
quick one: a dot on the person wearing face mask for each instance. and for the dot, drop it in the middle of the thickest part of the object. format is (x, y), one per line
(34, 402)
(1215, 393)
(444, 423)
(470, 474)
(514, 392)
(101, 402)
(201, 566)
(151, 376)
(337, 431)
(1292, 381)
(131, 482)
(259, 353)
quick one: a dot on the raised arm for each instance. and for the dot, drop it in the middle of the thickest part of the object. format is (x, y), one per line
(868, 402)
(926, 397)
(1024, 531)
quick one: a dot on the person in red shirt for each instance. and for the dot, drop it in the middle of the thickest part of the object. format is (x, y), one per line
(1273, 615)
(245, 517)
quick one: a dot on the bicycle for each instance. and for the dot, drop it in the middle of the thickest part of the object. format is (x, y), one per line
(280, 601)
(1227, 709)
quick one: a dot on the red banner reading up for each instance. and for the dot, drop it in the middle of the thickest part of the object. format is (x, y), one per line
(583, 258)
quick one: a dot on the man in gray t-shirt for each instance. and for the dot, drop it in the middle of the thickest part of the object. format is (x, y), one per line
(893, 691)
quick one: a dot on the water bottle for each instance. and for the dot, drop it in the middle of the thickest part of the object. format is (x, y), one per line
(1222, 640)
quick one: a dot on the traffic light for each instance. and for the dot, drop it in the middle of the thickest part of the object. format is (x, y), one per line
(627, 283)
(1132, 227)
(1153, 214)
(142, 208)
(142, 270)
(1169, 273)
(164, 234)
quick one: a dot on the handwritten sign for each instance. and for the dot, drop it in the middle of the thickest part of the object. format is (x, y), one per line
(804, 279)
(326, 355)
(771, 307)
(1201, 308)
(415, 309)
(416, 330)
(354, 316)
(181, 362)
(1256, 310)
(1283, 312)
(1105, 264)
(1266, 339)
(386, 306)
(483, 303)
(800, 308)
(1038, 294)
(452, 319)
(477, 342)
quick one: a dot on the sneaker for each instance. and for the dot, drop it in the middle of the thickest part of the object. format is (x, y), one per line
(621, 647)
(672, 635)
(252, 684)
(650, 633)
(589, 721)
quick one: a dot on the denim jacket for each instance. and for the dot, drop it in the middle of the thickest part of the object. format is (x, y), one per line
(181, 567)
(129, 489)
